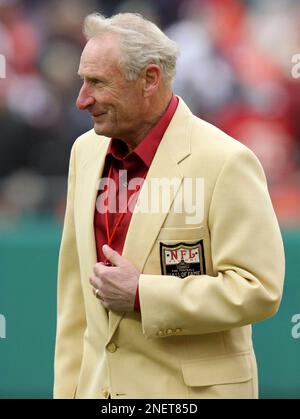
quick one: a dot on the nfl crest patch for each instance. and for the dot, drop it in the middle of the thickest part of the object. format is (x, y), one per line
(182, 259)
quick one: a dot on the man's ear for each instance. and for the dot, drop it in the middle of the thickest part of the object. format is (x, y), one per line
(152, 78)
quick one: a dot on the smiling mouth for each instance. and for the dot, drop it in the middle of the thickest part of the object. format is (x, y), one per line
(99, 114)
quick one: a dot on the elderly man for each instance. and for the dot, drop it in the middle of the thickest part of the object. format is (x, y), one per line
(159, 284)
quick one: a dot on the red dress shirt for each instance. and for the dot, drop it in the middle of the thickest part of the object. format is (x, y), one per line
(136, 164)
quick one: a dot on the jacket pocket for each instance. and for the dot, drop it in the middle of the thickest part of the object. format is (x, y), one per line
(180, 233)
(228, 369)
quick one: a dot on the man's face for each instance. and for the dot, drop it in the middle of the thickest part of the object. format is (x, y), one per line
(115, 104)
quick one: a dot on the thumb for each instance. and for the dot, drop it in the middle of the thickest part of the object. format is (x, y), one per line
(112, 255)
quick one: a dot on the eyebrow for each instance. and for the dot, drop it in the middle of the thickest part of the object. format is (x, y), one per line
(90, 78)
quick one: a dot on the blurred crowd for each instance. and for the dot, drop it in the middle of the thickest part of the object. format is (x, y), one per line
(234, 70)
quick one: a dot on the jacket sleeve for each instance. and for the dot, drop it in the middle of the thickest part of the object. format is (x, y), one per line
(247, 256)
(71, 321)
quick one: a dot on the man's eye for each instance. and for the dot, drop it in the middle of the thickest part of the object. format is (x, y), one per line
(96, 82)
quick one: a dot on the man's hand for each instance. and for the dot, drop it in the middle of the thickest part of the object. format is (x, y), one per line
(115, 285)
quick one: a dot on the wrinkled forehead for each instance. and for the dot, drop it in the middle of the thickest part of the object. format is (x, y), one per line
(101, 51)
(102, 46)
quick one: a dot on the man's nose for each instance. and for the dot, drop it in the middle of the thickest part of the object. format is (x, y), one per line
(85, 99)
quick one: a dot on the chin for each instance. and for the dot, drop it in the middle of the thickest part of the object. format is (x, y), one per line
(100, 130)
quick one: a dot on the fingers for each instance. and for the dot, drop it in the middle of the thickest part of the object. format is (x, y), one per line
(112, 255)
(100, 269)
(95, 283)
(97, 288)
(97, 294)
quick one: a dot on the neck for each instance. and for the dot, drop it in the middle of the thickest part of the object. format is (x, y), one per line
(156, 110)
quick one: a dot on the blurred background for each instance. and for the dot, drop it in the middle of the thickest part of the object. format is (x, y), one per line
(234, 70)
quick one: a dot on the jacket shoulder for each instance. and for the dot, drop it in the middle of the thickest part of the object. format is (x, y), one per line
(212, 143)
(89, 139)
(87, 145)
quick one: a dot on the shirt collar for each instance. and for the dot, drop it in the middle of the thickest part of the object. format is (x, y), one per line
(146, 149)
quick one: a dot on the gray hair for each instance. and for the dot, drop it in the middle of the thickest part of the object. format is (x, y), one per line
(141, 43)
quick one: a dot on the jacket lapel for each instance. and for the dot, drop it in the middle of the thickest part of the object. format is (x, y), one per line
(145, 226)
(92, 169)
